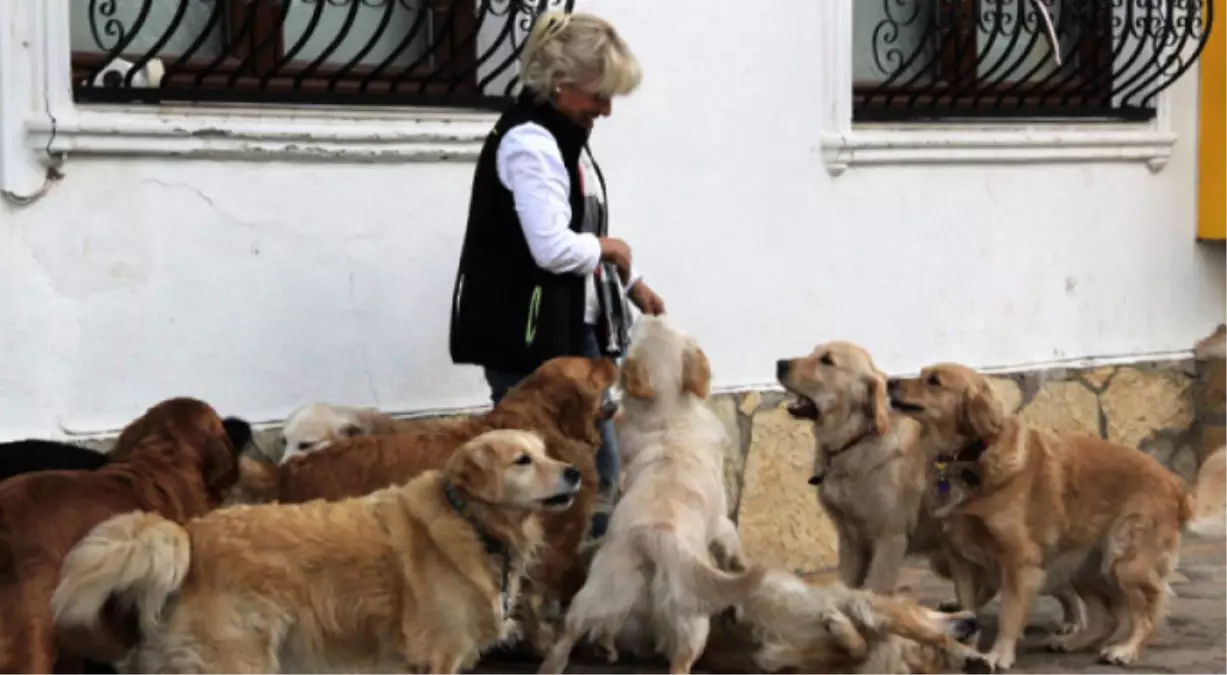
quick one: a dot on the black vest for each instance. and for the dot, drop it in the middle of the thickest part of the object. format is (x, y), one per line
(507, 312)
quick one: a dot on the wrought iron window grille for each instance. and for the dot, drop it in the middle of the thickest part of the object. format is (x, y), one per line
(450, 53)
(942, 59)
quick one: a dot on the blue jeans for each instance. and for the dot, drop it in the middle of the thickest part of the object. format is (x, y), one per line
(607, 460)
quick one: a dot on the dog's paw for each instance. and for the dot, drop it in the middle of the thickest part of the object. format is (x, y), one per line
(1118, 655)
(1056, 645)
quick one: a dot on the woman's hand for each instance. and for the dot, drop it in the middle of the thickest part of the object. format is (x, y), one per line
(646, 300)
(617, 252)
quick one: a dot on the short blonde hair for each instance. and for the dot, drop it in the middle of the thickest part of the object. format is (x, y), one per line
(581, 49)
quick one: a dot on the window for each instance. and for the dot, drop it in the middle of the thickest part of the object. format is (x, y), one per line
(389, 52)
(934, 59)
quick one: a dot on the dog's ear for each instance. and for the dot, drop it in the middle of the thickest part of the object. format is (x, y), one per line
(472, 472)
(604, 373)
(981, 415)
(636, 381)
(696, 372)
(879, 406)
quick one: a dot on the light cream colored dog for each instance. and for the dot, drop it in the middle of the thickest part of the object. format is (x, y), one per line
(655, 561)
(415, 577)
(875, 479)
(318, 425)
(811, 626)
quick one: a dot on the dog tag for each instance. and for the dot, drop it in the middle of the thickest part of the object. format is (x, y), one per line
(943, 486)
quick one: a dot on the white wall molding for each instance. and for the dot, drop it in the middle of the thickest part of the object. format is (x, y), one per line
(845, 144)
(264, 134)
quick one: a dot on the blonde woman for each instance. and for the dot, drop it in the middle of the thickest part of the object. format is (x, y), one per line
(539, 274)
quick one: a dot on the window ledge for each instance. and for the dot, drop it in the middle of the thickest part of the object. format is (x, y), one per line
(965, 144)
(264, 135)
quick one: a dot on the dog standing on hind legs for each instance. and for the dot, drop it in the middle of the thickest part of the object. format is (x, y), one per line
(655, 565)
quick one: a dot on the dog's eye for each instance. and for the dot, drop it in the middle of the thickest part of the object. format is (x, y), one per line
(826, 360)
(934, 381)
(305, 445)
(524, 460)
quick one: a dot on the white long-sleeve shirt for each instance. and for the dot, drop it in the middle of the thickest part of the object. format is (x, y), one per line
(529, 164)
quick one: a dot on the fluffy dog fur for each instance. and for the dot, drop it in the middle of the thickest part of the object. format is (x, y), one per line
(176, 460)
(318, 425)
(808, 626)
(875, 479)
(655, 561)
(1050, 509)
(561, 400)
(406, 578)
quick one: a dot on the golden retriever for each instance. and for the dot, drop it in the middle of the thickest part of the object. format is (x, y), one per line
(178, 460)
(812, 626)
(1049, 509)
(416, 577)
(562, 400)
(654, 560)
(318, 425)
(875, 480)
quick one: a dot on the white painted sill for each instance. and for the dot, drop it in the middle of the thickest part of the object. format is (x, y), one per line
(889, 145)
(262, 134)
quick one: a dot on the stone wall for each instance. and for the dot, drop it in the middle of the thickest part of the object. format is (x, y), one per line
(1172, 411)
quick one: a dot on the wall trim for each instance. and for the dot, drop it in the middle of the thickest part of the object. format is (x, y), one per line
(1000, 144)
(264, 134)
(845, 144)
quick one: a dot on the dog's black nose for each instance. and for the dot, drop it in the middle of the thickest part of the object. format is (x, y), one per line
(571, 474)
(965, 628)
(815, 480)
(781, 368)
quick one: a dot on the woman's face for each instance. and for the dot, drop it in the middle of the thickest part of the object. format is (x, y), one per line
(580, 106)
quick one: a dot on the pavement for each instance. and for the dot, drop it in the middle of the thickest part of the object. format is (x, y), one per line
(1192, 640)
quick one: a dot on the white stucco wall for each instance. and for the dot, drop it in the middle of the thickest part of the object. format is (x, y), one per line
(260, 286)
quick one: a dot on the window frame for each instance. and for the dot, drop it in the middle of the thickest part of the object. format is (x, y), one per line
(971, 98)
(262, 47)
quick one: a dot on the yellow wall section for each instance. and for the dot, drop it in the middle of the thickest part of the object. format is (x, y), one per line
(1211, 191)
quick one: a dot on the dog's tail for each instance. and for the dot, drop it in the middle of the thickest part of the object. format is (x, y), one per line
(1204, 510)
(139, 558)
(690, 579)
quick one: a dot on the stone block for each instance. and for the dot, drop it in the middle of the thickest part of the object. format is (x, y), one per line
(750, 402)
(266, 444)
(1138, 403)
(1064, 405)
(780, 520)
(1009, 392)
(725, 407)
(1098, 377)
(1172, 449)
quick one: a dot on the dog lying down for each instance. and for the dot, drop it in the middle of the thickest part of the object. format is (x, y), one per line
(318, 425)
(822, 626)
(414, 577)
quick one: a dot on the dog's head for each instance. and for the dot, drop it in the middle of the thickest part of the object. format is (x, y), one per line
(509, 467)
(838, 388)
(316, 426)
(954, 403)
(186, 431)
(931, 656)
(664, 364)
(567, 392)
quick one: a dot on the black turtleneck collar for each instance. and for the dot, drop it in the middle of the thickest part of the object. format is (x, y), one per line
(552, 118)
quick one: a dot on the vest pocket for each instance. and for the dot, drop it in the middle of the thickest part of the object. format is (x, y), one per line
(534, 313)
